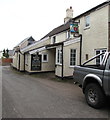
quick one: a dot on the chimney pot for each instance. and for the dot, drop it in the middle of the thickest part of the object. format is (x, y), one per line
(69, 14)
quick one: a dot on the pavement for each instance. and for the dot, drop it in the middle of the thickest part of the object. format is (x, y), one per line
(32, 96)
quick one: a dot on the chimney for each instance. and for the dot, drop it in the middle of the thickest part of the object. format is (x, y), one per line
(69, 14)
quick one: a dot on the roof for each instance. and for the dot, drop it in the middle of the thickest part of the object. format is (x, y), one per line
(59, 29)
(30, 39)
(93, 9)
(66, 26)
(26, 39)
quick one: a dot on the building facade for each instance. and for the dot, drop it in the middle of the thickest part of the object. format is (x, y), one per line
(60, 50)
(18, 57)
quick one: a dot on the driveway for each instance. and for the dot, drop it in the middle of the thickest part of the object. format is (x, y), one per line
(32, 96)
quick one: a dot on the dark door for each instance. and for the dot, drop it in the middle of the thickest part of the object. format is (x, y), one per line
(36, 62)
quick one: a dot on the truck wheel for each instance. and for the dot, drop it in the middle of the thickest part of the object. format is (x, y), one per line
(94, 95)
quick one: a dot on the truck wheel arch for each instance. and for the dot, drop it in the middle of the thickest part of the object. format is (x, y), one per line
(91, 78)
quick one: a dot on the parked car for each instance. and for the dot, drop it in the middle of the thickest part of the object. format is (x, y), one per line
(94, 79)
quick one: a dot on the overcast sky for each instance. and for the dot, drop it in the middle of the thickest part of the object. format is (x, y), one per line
(20, 19)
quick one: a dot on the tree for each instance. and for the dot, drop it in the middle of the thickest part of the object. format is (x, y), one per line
(6, 53)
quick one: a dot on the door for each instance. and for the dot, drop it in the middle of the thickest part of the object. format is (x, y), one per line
(36, 62)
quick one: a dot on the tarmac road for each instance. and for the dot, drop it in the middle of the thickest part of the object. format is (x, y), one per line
(0, 91)
(27, 96)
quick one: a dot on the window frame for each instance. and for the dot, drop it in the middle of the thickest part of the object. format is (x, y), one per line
(43, 57)
(87, 21)
(58, 56)
(68, 35)
(100, 51)
(75, 57)
(53, 39)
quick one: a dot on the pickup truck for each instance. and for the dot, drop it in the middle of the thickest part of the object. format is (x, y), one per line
(94, 79)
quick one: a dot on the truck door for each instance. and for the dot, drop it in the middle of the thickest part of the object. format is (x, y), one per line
(106, 80)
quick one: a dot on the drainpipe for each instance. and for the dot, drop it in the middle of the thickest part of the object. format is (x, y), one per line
(24, 61)
(80, 57)
(62, 61)
(109, 29)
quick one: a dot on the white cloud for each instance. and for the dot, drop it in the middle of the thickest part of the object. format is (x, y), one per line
(23, 18)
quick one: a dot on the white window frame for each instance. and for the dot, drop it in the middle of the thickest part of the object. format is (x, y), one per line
(52, 42)
(43, 57)
(100, 51)
(75, 58)
(87, 21)
(58, 56)
(68, 34)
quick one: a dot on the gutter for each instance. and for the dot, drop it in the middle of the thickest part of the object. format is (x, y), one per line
(29, 48)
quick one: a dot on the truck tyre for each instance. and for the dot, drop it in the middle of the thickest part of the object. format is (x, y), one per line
(94, 95)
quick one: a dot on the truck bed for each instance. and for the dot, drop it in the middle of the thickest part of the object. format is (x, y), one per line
(81, 71)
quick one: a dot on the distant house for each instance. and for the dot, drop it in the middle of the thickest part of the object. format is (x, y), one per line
(1, 54)
(60, 50)
(10, 53)
(18, 57)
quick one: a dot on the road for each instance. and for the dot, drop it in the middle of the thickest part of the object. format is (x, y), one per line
(27, 96)
(0, 92)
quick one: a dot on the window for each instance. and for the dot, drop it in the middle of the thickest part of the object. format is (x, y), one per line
(99, 59)
(87, 21)
(72, 57)
(68, 34)
(45, 58)
(91, 63)
(53, 39)
(59, 56)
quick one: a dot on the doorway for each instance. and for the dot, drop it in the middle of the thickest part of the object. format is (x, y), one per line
(36, 61)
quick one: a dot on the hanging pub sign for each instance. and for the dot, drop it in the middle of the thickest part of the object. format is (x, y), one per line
(74, 27)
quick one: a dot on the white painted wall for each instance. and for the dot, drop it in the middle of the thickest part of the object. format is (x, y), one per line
(95, 37)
